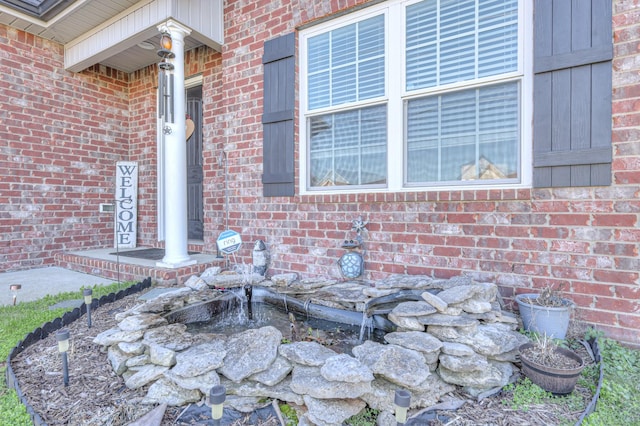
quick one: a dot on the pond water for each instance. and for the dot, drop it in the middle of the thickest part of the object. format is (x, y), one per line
(239, 315)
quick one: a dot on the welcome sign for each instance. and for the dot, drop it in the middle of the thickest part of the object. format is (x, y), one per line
(126, 204)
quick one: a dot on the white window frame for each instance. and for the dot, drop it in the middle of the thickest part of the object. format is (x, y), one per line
(395, 97)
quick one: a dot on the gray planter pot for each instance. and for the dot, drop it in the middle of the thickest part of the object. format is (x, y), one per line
(552, 321)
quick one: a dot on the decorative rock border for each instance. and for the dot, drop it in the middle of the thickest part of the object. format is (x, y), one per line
(468, 342)
(297, 356)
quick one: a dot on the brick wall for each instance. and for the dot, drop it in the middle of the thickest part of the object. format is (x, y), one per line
(586, 239)
(60, 137)
(65, 132)
(143, 141)
(143, 149)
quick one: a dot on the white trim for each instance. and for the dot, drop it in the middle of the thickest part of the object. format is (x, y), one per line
(525, 35)
(394, 86)
(395, 96)
(348, 19)
(39, 22)
(193, 81)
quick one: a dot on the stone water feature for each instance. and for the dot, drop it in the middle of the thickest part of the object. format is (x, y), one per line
(449, 333)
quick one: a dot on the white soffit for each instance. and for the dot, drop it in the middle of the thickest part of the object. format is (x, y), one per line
(115, 42)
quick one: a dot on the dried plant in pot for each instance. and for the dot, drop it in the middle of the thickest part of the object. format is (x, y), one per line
(553, 368)
(546, 313)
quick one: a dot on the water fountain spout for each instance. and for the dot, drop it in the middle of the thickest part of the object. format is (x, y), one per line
(248, 293)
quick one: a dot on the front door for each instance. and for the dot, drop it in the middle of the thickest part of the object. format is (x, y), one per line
(195, 214)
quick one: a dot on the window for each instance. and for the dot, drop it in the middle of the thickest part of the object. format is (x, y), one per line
(415, 94)
(346, 66)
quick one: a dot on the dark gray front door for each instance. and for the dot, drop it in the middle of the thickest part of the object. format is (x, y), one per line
(194, 166)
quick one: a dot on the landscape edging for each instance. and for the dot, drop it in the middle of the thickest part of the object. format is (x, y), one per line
(52, 326)
(71, 316)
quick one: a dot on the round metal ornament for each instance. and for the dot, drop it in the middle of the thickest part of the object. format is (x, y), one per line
(351, 264)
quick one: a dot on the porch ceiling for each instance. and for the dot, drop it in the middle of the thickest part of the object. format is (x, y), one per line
(109, 32)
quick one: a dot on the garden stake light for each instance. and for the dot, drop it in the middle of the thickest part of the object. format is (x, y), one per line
(63, 346)
(217, 395)
(14, 288)
(401, 402)
(88, 293)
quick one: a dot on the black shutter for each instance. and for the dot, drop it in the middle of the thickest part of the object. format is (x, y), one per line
(572, 84)
(277, 118)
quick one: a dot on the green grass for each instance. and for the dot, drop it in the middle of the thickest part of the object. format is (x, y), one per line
(366, 417)
(289, 415)
(525, 394)
(18, 321)
(619, 402)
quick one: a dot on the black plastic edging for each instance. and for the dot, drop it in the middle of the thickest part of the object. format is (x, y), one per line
(56, 324)
(597, 357)
(52, 326)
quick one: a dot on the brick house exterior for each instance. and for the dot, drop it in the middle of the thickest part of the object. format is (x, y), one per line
(62, 133)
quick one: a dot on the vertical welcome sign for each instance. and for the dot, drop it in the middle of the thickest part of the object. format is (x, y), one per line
(126, 204)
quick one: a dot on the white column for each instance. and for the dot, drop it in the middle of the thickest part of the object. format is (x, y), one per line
(175, 157)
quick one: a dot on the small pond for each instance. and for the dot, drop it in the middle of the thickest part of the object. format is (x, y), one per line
(297, 321)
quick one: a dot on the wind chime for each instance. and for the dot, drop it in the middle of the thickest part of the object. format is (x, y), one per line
(165, 87)
(165, 82)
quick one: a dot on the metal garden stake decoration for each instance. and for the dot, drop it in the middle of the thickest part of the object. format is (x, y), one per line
(352, 263)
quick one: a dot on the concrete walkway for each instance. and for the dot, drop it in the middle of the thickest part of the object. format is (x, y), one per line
(39, 282)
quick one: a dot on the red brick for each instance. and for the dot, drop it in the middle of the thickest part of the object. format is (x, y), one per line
(616, 249)
(618, 277)
(592, 289)
(631, 321)
(627, 292)
(570, 246)
(598, 317)
(617, 305)
(569, 220)
(447, 251)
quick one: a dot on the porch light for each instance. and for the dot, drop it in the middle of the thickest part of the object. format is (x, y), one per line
(14, 288)
(401, 402)
(165, 46)
(62, 337)
(88, 296)
(217, 395)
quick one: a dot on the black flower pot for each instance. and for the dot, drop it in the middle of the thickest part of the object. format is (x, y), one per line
(557, 380)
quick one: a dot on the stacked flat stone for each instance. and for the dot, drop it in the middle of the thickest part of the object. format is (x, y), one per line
(456, 335)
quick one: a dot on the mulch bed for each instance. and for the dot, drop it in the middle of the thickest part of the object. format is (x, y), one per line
(97, 396)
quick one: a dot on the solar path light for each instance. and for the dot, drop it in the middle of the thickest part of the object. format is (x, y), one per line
(401, 402)
(63, 347)
(14, 288)
(88, 297)
(217, 395)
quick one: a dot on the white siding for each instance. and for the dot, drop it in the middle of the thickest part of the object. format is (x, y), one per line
(121, 34)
